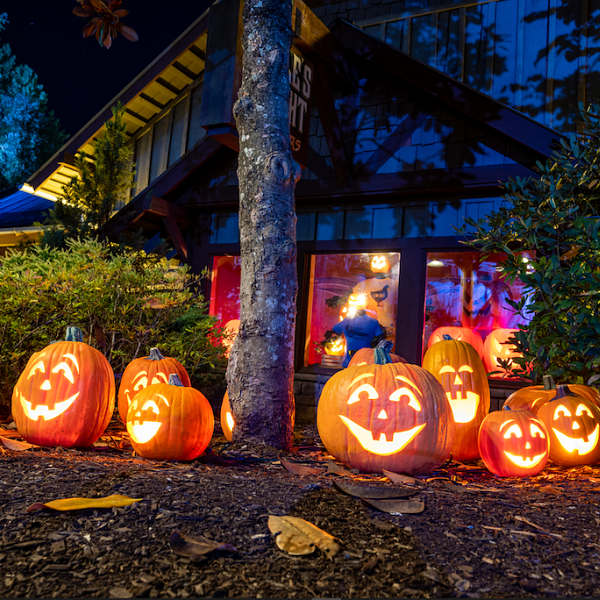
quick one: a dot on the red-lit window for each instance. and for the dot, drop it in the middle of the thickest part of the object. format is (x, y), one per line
(225, 289)
(468, 294)
(342, 283)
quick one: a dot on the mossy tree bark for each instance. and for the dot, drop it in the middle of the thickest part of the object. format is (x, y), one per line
(261, 365)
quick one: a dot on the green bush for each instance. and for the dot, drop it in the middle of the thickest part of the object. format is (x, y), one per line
(125, 303)
(556, 218)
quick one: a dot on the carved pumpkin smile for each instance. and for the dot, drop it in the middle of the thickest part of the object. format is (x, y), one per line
(527, 462)
(143, 427)
(43, 410)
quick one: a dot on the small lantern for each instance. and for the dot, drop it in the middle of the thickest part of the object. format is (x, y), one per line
(380, 264)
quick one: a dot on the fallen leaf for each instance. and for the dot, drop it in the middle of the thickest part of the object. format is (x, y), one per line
(548, 489)
(15, 444)
(335, 469)
(9, 433)
(403, 479)
(359, 490)
(195, 546)
(412, 507)
(298, 469)
(116, 500)
(298, 537)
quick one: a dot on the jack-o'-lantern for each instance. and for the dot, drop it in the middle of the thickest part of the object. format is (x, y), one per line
(462, 334)
(335, 347)
(66, 394)
(381, 355)
(227, 420)
(457, 366)
(573, 424)
(380, 264)
(393, 416)
(497, 346)
(514, 443)
(142, 372)
(168, 421)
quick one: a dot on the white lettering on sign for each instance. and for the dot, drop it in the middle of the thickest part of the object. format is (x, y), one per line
(300, 76)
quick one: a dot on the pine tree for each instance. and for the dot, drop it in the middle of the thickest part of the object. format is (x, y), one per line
(29, 133)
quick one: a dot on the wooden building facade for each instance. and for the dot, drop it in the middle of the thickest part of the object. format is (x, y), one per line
(405, 116)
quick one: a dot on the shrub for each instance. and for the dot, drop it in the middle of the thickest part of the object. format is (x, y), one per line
(125, 303)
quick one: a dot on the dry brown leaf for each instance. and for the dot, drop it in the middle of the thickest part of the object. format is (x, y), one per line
(15, 445)
(359, 490)
(335, 469)
(9, 433)
(116, 500)
(298, 469)
(193, 547)
(403, 479)
(298, 537)
(548, 489)
(412, 507)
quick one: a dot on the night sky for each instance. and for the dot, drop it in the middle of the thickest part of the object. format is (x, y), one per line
(79, 76)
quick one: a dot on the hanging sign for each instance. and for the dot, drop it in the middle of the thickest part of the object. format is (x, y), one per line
(301, 78)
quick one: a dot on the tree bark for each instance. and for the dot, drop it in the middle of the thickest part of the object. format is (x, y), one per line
(260, 374)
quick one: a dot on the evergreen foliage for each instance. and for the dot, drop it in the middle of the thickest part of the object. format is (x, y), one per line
(29, 133)
(91, 198)
(556, 218)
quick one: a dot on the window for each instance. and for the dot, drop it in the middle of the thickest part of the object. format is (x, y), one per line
(225, 288)
(464, 290)
(160, 142)
(341, 285)
(177, 131)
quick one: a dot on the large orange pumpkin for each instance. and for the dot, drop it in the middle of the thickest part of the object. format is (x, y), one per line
(144, 371)
(227, 421)
(573, 424)
(168, 421)
(66, 394)
(368, 356)
(533, 397)
(462, 334)
(393, 416)
(457, 366)
(513, 443)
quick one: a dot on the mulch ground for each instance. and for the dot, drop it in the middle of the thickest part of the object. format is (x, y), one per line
(478, 536)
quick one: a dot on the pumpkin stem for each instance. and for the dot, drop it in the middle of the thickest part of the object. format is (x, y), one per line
(447, 337)
(74, 334)
(382, 353)
(174, 380)
(562, 391)
(549, 382)
(155, 354)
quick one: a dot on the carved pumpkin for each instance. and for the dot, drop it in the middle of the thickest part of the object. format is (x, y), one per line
(393, 416)
(573, 424)
(496, 346)
(457, 366)
(227, 421)
(514, 443)
(462, 334)
(380, 264)
(368, 356)
(168, 421)
(335, 347)
(533, 397)
(66, 394)
(141, 372)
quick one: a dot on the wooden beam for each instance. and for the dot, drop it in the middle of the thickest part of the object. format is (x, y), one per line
(176, 236)
(187, 75)
(163, 208)
(197, 52)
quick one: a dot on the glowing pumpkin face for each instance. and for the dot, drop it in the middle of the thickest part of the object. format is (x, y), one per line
(514, 443)
(496, 347)
(462, 334)
(227, 420)
(335, 347)
(573, 424)
(142, 372)
(168, 421)
(457, 366)
(393, 416)
(380, 264)
(65, 395)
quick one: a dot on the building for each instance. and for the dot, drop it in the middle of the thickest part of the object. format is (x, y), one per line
(405, 115)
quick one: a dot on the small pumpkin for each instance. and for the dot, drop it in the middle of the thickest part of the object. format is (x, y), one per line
(497, 346)
(380, 264)
(457, 366)
(144, 371)
(462, 334)
(227, 421)
(65, 395)
(168, 421)
(391, 416)
(573, 424)
(533, 397)
(513, 443)
(368, 356)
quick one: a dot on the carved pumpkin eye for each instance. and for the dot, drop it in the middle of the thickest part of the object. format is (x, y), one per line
(513, 430)
(365, 387)
(140, 381)
(150, 405)
(66, 369)
(160, 378)
(562, 411)
(583, 410)
(447, 369)
(412, 399)
(38, 367)
(536, 431)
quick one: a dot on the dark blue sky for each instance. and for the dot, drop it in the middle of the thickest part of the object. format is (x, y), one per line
(79, 76)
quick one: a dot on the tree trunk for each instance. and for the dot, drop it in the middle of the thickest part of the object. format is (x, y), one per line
(260, 374)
